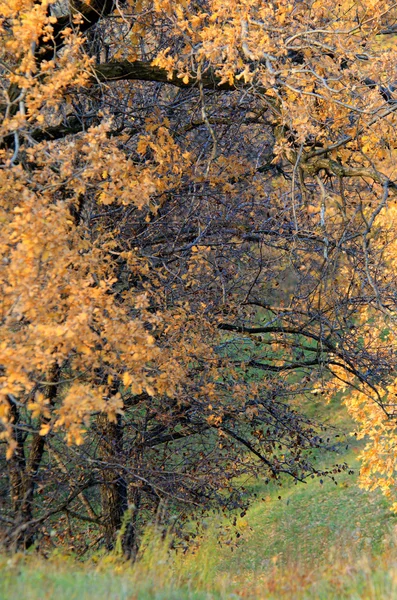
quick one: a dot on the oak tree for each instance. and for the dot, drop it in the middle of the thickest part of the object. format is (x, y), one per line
(197, 209)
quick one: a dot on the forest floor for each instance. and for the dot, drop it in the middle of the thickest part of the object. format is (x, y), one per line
(310, 541)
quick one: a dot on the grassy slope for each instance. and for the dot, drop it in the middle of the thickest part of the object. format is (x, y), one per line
(318, 541)
(316, 537)
(304, 521)
(311, 519)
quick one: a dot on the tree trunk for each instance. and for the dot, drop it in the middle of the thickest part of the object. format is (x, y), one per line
(23, 472)
(16, 469)
(128, 537)
(114, 488)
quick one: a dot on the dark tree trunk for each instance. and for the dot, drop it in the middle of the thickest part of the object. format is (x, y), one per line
(16, 469)
(114, 488)
(23, 472)
(129, 539)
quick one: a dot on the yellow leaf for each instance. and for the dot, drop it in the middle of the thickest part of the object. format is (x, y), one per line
(44, 429)
(11, 449)
(127, 379)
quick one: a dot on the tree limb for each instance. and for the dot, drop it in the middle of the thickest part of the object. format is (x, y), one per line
(139, 70)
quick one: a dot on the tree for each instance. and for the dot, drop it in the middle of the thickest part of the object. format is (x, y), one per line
(197, 230)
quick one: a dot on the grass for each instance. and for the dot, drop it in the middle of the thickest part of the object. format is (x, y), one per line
(318, 541)
(306, 541)
(158, 576)
(309, 519)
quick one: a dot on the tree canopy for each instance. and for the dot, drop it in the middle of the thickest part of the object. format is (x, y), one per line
(197, 231)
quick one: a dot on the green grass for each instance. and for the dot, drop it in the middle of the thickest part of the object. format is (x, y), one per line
(311, 518)
(85, 585)
(318, 541)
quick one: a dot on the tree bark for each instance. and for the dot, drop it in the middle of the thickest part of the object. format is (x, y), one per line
(139, 70)
(113, 490)
(23, 472)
